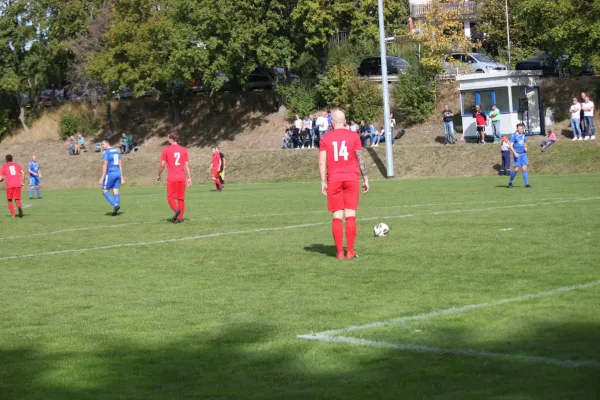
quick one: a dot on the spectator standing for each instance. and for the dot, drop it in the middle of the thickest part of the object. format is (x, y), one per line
(329, 125)
(480, 119)
(322, 124)
(505, 152)
(125, 143)
(298, 124)
(575, 111)
(309, 136)
(447, 117)
(315, 129)
(392, 125)
(581, 116)
(495, 118)
(588, 118)
(550, 140)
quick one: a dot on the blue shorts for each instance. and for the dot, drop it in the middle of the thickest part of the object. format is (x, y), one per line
(34, 180)
(522, 161)
(111, 181)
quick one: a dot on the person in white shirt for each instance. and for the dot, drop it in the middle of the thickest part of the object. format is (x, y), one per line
(354, 126)
(575, 119)
(588, 118)
(323, 124)
(309, 136)
(298, 131)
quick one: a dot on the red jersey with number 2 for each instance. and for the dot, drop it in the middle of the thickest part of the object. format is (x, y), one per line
(340, 145)
(175, 156)
(12, 173)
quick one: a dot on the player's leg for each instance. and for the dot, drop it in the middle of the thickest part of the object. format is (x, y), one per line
(38, 187)
(31, 186)
(9, 197)
(514, 172)
(526, 173)
(106, 191)
(335, 205)
(215, 177)
(172, 193)
(17, 199)
(181, 200)
(351, 196)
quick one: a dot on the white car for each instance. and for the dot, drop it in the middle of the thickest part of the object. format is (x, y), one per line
(457, 63)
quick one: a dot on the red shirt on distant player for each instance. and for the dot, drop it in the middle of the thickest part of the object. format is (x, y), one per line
(175, 157)
(216, 159)
(12, 173)
(342, 164)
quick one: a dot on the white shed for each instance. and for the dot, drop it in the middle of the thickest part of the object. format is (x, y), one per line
(515, 93)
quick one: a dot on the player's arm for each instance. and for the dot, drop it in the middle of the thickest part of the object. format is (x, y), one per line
(104, 168)
(188, 172)
(512, 149)
(22, 174)
(224, 163)
(121, 169)
(32, 173)
(323, 171)
(160, 169)
(362, 165)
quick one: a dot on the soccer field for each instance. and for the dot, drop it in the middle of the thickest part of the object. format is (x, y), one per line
(479, 292)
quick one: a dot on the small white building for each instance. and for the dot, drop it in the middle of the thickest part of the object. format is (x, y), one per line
(515, 93)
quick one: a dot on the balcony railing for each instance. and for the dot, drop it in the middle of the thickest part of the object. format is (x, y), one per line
(468, 9)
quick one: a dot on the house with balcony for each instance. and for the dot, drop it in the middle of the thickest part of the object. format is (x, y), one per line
(467, 10)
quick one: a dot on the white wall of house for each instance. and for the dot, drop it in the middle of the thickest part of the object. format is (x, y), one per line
(467, 28)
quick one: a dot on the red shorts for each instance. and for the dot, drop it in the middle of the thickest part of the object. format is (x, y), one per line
(215, 174)
(341, 195)
(176, 189)
(13, 193)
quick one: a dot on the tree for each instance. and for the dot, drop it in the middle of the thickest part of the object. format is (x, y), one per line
(442, 32)
(563, 27)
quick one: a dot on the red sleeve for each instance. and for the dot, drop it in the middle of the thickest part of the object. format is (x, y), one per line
(185, 157)
(322, 146)
(163, 156)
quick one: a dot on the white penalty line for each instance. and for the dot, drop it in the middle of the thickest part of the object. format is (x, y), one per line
(456, 310)
(219, 234)
(456, 352)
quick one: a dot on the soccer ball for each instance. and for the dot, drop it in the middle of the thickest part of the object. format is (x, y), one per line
(381, 229)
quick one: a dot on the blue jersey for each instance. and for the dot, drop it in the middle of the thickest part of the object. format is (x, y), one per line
(113, 156)
(34, 167)
(518, 142)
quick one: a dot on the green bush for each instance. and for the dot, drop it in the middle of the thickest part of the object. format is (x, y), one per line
(5, 122)
(69, 125)
(300, 98)
(333, 87)
(365, 101)
(414, 95)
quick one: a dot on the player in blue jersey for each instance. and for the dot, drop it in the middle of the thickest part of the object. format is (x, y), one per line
(34, 178)
(112, 176)
(518, 146)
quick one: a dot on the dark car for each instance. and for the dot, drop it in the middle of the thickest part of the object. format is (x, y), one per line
(371, 66)
(553, 66)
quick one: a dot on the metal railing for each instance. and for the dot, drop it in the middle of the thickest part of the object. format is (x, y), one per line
(467, 9)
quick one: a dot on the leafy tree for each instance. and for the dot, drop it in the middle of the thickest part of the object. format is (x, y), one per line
(300, 98)
(442, 32)
(414, 95)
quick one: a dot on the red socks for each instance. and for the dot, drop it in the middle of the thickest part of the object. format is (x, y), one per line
(181, 208)
(18, 203)
(350, 232)
(172, 203)
(338, 234)
(11, 208)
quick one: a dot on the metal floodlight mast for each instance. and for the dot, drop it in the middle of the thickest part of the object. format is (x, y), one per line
(507, 35)
(389, 154)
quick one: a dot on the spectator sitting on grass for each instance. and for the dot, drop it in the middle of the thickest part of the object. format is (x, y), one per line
(550, 140)
(354, 126)
(379, 135)
(287, 139)
(72, 146)
(125, 143)
(363, 132)
(80, 143)
(372, 133)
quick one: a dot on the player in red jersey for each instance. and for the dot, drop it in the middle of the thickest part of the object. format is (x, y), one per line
(15, 180)
(175, 157)
(340, 159)
(215, 167)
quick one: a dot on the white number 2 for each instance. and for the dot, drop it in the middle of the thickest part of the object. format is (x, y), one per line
(116, 159)
(342, 153)
(177, 155)
(12, 170)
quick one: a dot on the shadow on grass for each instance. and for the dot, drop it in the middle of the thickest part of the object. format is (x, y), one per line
(249, 361)
(378, 161)
(328, 250)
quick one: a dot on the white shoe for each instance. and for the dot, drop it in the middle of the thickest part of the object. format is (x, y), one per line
(580, 138)
(587, 138)
(575, 138)
(593, 137)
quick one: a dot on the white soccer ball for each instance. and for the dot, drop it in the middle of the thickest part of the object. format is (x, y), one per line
(381, 229)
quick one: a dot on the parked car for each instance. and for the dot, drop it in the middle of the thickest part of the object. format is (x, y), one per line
(553, 66)
(457, 63)
(51, 97)
(371, 66)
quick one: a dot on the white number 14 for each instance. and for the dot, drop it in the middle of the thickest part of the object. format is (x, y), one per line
(342, 153)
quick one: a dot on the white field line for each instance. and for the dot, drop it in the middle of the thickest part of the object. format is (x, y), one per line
(454, 310)
(219, 234)
(234, 217)
(457, 352)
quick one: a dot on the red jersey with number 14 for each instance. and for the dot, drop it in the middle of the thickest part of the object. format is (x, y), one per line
(12, 174)
(340, 145)
(175, 156)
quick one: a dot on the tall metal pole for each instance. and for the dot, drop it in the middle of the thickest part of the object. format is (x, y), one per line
(389, 154)
(507, 35)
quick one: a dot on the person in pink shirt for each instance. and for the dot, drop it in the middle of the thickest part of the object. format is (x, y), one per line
(550, 139)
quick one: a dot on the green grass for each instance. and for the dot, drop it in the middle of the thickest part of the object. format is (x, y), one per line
(217, 317)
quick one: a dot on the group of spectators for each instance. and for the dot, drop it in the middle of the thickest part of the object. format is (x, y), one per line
(582, 118)
(77, 144)
(306, 132)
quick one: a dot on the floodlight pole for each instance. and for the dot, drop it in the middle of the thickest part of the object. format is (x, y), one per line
(389, 154)
(507, 35)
